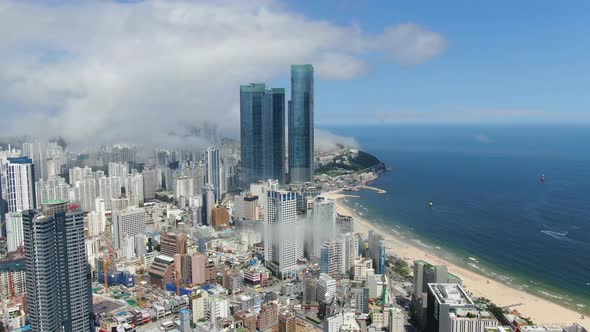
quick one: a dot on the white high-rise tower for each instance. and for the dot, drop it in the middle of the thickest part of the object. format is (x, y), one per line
(283, 240)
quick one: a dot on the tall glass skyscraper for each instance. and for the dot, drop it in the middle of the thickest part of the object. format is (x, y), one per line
(301, 124)
(262, 133)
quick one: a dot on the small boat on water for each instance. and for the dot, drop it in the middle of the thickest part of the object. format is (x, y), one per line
(542, 179)
(430, 204)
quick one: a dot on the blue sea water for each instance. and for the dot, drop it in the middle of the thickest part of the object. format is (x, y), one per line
(488, 200)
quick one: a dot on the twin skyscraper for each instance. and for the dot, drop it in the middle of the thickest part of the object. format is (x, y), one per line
(262, 130)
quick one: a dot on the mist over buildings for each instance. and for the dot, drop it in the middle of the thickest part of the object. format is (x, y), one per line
(101, 72)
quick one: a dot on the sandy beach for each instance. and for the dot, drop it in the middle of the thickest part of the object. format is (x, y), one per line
(541, 311)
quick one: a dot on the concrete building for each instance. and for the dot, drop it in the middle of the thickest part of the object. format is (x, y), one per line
(55, 188)
(184, 187)
(149, 184)
(85, 193)
(283, 241)
(161, 271)
(128, 222)
(268, 316)
(220, 218)
(361, 268)
(334, 322)
(287, 321)
(326, 288)
(97, 219)
(172, 244)
(323, 226)
(332, 258)
(376, 282)
(13, 277)
(118, 169)
(352, 245)
(54, 246)
(344, 224)
(425, 274)
(248, 320)
(199, 302)
(208, 205)
(20, 184)
(218, 309)
(203, 270)
(14, 231)
(360, 298)
(78, 174)
(396, 320)
(246, 207)
(444, 298)
(471, 320)
(213, 176)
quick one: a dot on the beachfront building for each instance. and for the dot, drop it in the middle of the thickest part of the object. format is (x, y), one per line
(377, 251)
(450, 309)
(469, 320)
(424, 274)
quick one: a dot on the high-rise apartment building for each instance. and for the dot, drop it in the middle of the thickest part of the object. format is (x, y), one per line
(79, 174)
(55, 188)
(14, 231)
(35, 152)
(149, 184)
(262, 133)
(323, 223)
(332, 258)
(128, 223)
(21, 184)
(213, 174)
(301, 124)
(58, 274)
(283, 241)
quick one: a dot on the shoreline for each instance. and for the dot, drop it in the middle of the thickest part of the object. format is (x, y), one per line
(540, 310)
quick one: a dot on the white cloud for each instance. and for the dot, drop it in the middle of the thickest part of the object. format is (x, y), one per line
(410, 43)
(326, 141)
(101, 71)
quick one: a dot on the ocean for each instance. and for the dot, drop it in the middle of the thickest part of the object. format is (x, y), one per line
(489, 202)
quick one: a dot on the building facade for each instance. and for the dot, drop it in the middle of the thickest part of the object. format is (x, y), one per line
(283, 242)
(21, 184)
(58, 274)
(301, 124)
(262, 133)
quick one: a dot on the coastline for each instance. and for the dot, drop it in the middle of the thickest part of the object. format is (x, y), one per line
(540, 310)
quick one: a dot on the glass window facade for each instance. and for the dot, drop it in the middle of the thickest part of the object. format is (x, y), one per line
(301, 124)
(262, 133)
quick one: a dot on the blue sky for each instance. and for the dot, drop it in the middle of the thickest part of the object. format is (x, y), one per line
(527, 56)
(165, 65)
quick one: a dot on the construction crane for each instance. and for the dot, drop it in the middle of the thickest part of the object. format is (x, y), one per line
(106, 262)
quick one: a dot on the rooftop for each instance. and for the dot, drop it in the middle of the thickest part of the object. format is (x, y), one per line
(452, 294)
